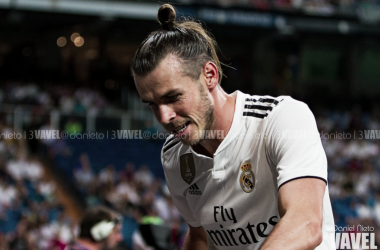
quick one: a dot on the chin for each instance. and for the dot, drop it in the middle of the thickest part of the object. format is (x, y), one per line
(190, 141)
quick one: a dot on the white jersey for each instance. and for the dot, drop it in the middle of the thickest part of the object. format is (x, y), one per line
(234, 195)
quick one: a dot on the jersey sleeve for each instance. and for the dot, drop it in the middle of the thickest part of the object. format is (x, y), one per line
(293, 144)
(176, 188)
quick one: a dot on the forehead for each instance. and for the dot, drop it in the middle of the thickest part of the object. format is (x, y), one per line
(168, 75)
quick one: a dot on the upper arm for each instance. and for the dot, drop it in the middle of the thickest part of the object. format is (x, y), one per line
(294, 146)
(303, 195)
(296, 156)
(303, 198)
(301, 165)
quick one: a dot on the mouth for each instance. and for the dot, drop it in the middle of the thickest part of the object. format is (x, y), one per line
(180, 129)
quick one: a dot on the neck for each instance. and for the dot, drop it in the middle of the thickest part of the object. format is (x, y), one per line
(88, 244)
(224, 108)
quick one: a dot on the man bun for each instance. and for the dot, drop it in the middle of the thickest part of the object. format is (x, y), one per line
(184, 38)
(166, 16)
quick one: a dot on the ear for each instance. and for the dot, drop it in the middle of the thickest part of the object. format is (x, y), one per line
(210, 74)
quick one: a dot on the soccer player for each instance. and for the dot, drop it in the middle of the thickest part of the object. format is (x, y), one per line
(100, 229)
(245, 171)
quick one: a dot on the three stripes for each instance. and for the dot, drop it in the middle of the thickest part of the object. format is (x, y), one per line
(259, 107)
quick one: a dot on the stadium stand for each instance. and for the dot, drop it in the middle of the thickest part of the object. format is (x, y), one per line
(127, 176)
(308, 46)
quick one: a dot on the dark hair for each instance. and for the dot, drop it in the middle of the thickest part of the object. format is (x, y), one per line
(186, 39)
(91, 217)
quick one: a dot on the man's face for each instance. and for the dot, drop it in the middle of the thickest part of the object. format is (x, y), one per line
(182, 106)
(114, 238)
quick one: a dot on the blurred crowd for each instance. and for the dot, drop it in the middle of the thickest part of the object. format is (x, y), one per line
(31, 217)
(136, 193)
(352, 149)
(64, 97)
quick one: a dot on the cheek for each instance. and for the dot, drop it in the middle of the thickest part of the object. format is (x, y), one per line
(156, 113)
(184, 110)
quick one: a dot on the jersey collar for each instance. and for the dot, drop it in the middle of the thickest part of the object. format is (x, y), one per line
(236, 123)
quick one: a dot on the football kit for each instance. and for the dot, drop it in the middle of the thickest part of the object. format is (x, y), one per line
(234, 195)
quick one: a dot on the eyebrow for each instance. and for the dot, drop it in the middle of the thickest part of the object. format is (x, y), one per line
(168, 93)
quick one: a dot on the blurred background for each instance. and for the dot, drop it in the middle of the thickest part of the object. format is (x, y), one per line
(64, 64)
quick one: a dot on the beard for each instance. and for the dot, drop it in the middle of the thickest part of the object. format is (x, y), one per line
(207, 108)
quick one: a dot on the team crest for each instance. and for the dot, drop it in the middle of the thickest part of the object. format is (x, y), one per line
(247, 178)
(187, 167)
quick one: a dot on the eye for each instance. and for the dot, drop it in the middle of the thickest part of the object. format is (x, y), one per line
(173, 98)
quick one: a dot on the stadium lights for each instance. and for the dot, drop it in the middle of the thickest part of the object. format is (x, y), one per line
(61, 42)
(79, 41)
(74, 36)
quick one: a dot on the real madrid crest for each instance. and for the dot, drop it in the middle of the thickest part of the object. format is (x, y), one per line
(247, 178)
(187, 167)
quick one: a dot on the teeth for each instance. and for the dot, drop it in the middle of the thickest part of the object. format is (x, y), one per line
(181, 129)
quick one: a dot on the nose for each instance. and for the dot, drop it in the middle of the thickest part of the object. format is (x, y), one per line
(165, 114)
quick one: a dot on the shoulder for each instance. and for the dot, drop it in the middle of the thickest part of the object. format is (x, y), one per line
(266, 107)
(290, 111)
(260, 106)
(274, 112)
(170, 150)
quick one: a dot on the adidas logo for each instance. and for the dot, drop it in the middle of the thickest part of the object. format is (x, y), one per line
(194, 189)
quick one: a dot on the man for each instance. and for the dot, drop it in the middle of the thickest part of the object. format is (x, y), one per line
(100, 229)
(234, 175)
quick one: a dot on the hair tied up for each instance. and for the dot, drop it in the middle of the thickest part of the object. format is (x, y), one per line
(166, 16)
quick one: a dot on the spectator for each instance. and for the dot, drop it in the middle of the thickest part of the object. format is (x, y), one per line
(100, 228)
(144, 175)
(108, 175)
(84, 175)
(73, 126)
(128, 172)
